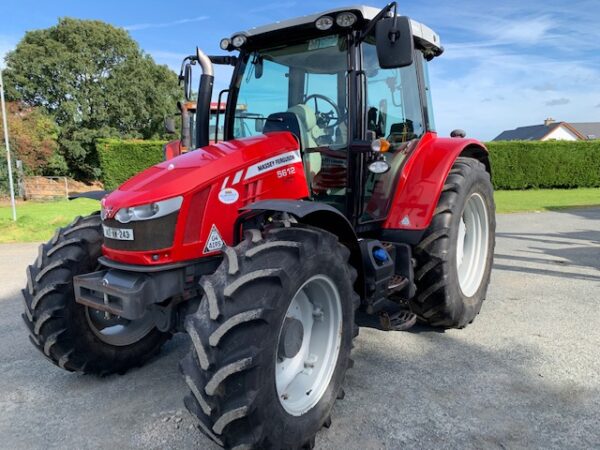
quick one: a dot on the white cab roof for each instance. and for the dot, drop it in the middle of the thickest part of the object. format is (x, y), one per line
(422, 32)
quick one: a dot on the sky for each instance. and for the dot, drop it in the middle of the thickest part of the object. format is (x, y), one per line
(506, 63)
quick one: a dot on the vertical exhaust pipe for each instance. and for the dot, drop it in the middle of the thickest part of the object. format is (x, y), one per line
(205, 89)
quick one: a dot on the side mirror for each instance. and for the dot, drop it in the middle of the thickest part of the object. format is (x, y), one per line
(187, 81)
(170, 125)
(259, 125)
(394, 41)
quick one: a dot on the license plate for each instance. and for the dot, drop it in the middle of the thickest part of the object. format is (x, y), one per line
(120, 234)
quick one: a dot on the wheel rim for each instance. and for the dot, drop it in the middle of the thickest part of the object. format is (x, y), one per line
(115, 330)
(302, 380)
(472, 245)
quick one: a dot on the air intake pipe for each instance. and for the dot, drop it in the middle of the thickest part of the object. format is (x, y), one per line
(205, 89)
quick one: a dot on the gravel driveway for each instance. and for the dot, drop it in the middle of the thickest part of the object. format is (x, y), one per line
(526, 373)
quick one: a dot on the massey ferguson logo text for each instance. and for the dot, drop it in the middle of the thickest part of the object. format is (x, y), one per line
(277, 162)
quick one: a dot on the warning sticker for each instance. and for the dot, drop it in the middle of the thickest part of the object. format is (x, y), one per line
(214, 241)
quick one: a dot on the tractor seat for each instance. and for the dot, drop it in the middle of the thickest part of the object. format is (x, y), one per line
(284, 121)
(308, 125)
(301, 121)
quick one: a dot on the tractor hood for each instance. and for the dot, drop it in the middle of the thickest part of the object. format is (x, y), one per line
(197, 169)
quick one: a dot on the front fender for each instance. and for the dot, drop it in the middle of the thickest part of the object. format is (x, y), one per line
(422, 179)
(322, 216)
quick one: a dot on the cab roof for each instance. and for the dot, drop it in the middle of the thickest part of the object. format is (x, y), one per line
(423, 35)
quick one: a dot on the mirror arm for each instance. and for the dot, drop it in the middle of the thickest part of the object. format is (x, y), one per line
(386, 9)
(224, 60)
(192, 59)
(394, 33)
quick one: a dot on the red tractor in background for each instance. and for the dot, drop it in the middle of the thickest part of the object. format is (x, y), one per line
(186, 142)
(262, 245)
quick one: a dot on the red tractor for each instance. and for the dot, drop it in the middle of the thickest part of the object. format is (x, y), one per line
(186, 142)
(262, 248)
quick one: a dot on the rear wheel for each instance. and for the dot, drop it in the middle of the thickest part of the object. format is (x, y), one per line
(272, 339)
(73, 336)
(454, 258)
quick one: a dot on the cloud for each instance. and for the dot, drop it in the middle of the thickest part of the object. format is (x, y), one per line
(558, 102)
(145, 26)
(528, 53)
(525, 31)
(460, 83)
(545, 87)
(598, 105)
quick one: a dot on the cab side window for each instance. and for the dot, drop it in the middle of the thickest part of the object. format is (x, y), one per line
(394, 105)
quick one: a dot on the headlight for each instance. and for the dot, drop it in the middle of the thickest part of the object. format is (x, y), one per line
(238, 40)
(345, 19)
(225, 43)
(324, 23)
(149, 211)
(378, 167)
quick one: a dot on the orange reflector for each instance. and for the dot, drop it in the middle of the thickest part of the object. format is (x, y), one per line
(380, 145)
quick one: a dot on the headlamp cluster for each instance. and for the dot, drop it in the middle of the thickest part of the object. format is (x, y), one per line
(237, 42)
(344, 19)
(148, 211)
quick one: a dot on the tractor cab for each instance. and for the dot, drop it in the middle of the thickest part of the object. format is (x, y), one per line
(331, 80)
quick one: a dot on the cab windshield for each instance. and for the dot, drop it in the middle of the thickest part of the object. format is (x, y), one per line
(307, 80)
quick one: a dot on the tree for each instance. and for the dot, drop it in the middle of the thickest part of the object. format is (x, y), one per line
(95, 81)
(34, 139)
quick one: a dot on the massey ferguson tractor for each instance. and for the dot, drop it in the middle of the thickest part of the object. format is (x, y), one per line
(186, 141)
(262, 246)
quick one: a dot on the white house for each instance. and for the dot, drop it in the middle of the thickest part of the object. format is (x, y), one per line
(562, 131)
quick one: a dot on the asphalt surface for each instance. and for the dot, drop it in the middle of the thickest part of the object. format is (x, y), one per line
(525, 374)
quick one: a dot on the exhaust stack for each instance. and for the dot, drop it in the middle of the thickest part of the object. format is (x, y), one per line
(205, 89)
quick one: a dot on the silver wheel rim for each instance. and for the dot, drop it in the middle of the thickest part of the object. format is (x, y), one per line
(472, 245)
(303, 379)
(115, 330)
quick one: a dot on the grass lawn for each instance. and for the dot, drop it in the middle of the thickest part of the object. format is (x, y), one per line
(36, 221)
(545, 199)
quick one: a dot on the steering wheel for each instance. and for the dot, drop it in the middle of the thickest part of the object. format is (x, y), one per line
(325, 119)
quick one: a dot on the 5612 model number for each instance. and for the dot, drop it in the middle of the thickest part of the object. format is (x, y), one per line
(285, 172)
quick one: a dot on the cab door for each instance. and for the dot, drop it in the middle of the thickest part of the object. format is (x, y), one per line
(394, 111)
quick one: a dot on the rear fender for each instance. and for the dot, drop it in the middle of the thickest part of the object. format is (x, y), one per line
(423, 176)
(323, 216)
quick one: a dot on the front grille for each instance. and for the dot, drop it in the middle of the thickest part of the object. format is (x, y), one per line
(148, 235)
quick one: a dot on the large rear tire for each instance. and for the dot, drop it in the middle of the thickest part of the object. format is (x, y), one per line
(454, 258)
(271, 339)
(70, 335)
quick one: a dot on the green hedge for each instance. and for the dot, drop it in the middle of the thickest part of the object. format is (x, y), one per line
(548, 164)
(515, 164)
(120, 160)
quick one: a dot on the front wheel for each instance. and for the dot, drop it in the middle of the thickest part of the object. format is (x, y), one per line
(272, 339)
(454, 258)
(71, 335)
